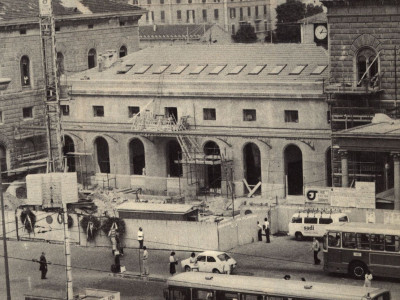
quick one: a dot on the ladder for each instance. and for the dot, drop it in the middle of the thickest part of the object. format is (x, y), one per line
(52, 111)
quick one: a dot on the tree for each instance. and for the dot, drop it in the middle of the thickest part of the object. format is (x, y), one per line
(287, 16)
(245, 34)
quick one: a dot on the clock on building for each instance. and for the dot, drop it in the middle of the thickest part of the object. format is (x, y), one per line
(320, 32)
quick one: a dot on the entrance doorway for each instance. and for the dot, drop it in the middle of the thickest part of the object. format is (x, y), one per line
(252, 163)
(213, 171)
(174, 155)
(137, 157)
(102, 154)
(69, 147)
(294, 170)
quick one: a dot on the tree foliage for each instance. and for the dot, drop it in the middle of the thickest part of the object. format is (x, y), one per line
(287, 15)
(245, 34)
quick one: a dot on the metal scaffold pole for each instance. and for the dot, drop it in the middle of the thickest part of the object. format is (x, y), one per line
(67, 249)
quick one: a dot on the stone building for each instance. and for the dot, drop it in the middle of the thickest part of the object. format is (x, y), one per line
(364, 49)
(83, 30)
(195, 118)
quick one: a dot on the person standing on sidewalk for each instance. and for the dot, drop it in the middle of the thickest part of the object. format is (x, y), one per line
(43, 265)
(267, 230)
(145, 264)
(172, 263)
(259, 231)
(140, 237)
(315, 248)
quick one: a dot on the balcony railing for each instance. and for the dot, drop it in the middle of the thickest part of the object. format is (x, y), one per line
(351, 86)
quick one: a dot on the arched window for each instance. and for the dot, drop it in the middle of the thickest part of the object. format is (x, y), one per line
(25, 71)
(92, 59)
(123, 51)
(367, 64)
(60, 63)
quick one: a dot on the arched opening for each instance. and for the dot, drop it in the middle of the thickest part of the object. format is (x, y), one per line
(174, 155)
(328, 164)
(252, 163)
(294, 170)
(60, 63)
(3, 161)
(102, 154)
(92, 58)
(123, 51)
(367, 65)
(25, 71)
(213, 170)
(69, 147)
(137, 157)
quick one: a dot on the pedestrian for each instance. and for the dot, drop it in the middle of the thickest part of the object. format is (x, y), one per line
(193, 262)
(267, 230)
(112, 234)
(140, 237)
(43, 265)
(259, 231)
(315, 247)
(172, 263)
(119, 246)
(145, 264)
(368, 279)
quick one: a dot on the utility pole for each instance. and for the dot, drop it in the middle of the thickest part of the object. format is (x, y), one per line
(3, 221)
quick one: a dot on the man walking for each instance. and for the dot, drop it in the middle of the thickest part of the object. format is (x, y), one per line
(259, 231)
(315, 247)
(140, 237)
(145, 258)
(43, 265)
(267, 231)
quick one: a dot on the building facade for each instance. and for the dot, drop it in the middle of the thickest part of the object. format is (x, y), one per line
(82, 32)
(192, 119)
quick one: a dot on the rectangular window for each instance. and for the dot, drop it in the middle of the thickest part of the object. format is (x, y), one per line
(232, 13)
(256, 8)
(310, 220)
(143, 69)
(179, 69)
(297, 220)
(125, 69)
(241, 13)
(161, 69)
(249, 11)
(217, 70)
(121, 23)
(325, 221)
(178, 1)
(1, 117)
(189, 1)
(133, 110)
(318, 70)
(334, 239)
(249, 115)
(147, 16)
(204, 14)
(198, 69)
(203, 1)
(216, 14)
(265, 10)
(179, 15)
(236, 70)
(328, 117)
(298, 69)
(90, 26)
(161, 1)
(377, 242)
(162, 16)
(148, 1)
(277, 69)
(291, 116)
(98, 111)
(266, 25)
(65, 110)
(209, 114)
(363, 241)
(171, 112)
(57, 28)
(27, 112)
(392, 243)
(349, 240)
(257, 69)
(257, 25)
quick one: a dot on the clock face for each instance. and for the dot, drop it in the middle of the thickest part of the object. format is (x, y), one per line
(321, 32)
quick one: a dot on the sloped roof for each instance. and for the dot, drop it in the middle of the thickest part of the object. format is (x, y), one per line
(155, 207)
(173, 31)
(377, 130)
(17, 9)
(315, 19)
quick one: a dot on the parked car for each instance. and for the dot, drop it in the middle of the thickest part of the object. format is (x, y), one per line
(211, 261)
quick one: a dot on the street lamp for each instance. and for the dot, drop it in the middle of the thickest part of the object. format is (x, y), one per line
(3, 85)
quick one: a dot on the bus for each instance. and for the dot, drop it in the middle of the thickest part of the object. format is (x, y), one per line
(200, 286)
(355, 248)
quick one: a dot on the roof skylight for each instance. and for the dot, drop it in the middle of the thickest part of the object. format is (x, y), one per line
(277, 69)
(179, 69)
(257, 69)
(198, 69)
(298, 69)
(125, 69)
(161, 69)
(217, 70)
(143, 69)
(318, 70)
(236, 70)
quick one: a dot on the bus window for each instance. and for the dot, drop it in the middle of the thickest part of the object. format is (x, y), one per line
(377, 241)
(250, 297)
(363, 241)
(334, 239)
(349, 240)
(343, 219)
(392, 243)
(180, 294)
(297, 220)
(310, 220)
(274, 298)
(227, 296)
(202, 295)
(325, 221)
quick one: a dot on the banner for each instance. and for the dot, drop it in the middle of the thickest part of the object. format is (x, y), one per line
(318, 195)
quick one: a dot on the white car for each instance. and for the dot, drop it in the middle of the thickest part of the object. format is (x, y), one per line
(211, 261)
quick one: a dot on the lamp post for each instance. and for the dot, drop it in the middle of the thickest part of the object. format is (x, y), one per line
(3, 85)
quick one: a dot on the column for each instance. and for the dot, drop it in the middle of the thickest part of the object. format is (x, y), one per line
(345, 167)
(396, 163)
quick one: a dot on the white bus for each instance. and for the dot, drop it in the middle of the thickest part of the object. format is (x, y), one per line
(313, 223)
(200, 286)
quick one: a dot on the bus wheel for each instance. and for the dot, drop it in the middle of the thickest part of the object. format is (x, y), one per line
(358, 270)
(299, 236)
(216, 271)
(188, 269)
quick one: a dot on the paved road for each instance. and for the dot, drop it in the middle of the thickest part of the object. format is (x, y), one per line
(91, 268)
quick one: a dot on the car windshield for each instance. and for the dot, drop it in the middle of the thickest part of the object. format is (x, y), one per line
(223, 257)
